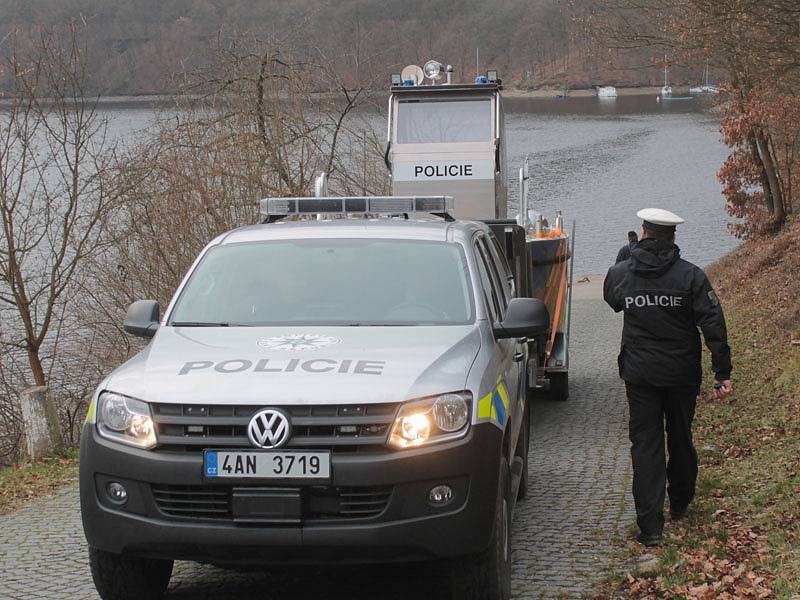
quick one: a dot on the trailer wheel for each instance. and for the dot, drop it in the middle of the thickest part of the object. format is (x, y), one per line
(559, 386)
(120, 577)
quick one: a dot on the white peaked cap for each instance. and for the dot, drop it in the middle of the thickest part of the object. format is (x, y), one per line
(659, 216)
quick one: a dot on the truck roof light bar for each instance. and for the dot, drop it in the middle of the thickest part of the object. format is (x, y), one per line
(275, 208)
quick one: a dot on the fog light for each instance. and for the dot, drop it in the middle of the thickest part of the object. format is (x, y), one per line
(117, 492)
(441, 495)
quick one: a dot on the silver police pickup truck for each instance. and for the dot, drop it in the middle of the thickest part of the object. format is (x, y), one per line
(318, 391)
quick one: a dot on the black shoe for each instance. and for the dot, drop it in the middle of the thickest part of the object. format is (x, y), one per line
(678, 513)
(649, 539)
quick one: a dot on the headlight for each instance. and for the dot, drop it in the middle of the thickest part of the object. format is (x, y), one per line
(431, 420)
(125, 420)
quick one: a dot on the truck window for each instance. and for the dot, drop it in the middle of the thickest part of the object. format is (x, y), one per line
(498, 282)
(503, 269)
(438, 121)
(329, 281)
(493, 300)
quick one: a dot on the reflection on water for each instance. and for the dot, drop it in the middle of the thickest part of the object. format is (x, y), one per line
(600, 161)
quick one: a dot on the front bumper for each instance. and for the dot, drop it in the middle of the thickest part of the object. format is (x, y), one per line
(407, 529)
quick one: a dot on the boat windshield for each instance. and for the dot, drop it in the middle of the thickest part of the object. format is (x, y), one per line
(444, 121)
(328, 282)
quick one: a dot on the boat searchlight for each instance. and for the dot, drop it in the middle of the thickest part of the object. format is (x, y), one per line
(412, 75)
(433, 70)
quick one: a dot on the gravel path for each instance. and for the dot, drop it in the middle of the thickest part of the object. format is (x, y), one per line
(578, 501)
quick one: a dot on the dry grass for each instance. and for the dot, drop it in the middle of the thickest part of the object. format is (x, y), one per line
(34, 479)
(742, 536)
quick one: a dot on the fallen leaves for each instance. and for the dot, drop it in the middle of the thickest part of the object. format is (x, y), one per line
(29, 480)
(736, 451)
(733, 569)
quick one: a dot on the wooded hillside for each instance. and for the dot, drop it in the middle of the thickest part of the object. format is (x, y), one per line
(136, 46)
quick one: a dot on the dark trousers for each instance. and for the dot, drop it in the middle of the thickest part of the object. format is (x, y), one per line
(650, 408)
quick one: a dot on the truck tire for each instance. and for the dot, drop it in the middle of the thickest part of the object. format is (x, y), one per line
(487, 576)
(559, 386)
(523, 448)
(120, 577)
(532, 393)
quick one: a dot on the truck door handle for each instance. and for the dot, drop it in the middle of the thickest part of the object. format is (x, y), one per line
(518, 356)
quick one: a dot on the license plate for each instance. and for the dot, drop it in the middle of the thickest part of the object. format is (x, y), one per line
(266, 465)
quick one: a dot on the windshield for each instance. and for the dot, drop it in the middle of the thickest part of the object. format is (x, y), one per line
(334, 282)
(435, 121)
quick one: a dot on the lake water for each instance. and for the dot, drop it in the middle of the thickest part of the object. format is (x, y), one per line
(599, 161)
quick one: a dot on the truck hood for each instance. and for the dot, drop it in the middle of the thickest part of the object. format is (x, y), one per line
(276, 366)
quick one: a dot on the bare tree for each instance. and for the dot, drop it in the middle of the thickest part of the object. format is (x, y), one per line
(262, 119)
(53, 194)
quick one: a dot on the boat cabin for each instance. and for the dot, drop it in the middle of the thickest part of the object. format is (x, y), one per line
(449, 139)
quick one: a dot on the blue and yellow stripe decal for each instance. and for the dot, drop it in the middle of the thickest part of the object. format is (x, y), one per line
(494, 406)
(90, 414)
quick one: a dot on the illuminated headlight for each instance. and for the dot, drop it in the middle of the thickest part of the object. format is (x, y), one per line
(431, 420)
(125, 420)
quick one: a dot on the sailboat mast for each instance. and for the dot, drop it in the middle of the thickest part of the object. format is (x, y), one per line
(666, 82)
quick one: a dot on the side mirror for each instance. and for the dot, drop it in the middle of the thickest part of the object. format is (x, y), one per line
(525, 317)
(143, 318)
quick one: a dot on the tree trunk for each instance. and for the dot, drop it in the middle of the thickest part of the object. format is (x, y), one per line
(778, 212)
(40, 420)
(36, 367)
(768, 199)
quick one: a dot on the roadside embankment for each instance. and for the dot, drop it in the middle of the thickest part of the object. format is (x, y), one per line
(742, 536)
(32, 479)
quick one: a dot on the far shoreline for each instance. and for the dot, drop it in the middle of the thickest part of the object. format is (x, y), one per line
(579, 93)
(167, 100)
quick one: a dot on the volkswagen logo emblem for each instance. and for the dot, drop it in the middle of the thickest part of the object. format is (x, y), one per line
(269, 428)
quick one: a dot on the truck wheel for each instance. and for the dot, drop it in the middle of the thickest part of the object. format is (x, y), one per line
(532, 393)
(119, 577)
(487, 576)
(523, 447)
(559, 386)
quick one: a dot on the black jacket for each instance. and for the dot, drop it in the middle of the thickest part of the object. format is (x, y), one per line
(624, 253)
(665, 300)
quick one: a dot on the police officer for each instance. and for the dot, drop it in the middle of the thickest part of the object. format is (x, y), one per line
(665, 300)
